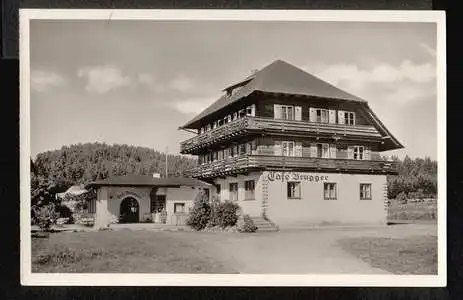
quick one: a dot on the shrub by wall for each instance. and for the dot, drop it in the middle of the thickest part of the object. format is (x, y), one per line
(200, 214)
(246, 224)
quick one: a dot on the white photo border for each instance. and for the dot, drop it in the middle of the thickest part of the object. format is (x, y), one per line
(135, 279)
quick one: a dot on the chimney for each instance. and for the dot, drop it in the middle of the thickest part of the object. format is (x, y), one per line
(156, 175)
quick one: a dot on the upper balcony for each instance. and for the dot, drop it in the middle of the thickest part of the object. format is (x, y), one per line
(246, 163)
(249, 124)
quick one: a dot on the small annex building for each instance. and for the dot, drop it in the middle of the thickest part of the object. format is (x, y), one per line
(141, 198)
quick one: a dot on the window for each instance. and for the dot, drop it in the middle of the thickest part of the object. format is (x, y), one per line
(208, 127)
(233, 188)
(250, 110)
(242, 149)
(229, 118)
(220, 122)
(288, 148)
(241, 113)
(215, 156)
(329, 191)
(287, 112)
(294, 190)
(323, 150)
(235, 116)
(179, 208)
(349, 118)
(358, 152)
(214, 124)
(218, 188)
(322, 115)
(249, 187)
(225, 120)
(365, 191)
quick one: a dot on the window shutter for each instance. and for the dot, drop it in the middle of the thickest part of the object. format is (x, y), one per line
(341, 119)
(277, 111)
(297, 113)
(350, 152)
(312, 115)
(313, 150)
(277, 148)
(332, 116)
(367, 154)
(299, 149)
(332, 151)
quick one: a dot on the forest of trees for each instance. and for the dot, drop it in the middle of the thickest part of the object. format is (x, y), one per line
(417, 178)
(83, 163)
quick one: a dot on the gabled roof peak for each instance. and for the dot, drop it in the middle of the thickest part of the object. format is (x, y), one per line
(277, 77)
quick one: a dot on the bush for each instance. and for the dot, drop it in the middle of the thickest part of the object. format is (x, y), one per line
(402, 198)
(45, 216)
(65, 212)
(246, 224)
(226, 214)
(200, 214)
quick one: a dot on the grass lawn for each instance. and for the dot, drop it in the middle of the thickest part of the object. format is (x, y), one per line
(411, 255)
(421, 211)
(125, 251)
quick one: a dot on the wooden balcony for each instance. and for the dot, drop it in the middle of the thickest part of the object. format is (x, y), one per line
(246, 163)
(248, 124)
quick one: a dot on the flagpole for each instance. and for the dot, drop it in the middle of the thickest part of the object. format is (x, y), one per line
(166, 160)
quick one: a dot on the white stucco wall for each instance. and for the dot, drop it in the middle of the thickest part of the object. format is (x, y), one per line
(313, 209)
(251, 207)
(109, 201)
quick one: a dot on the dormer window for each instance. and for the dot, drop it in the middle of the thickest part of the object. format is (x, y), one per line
(208, 127)
(214, 124)
(241, 113)
(220, 122)
(235, 116)
(225, 120)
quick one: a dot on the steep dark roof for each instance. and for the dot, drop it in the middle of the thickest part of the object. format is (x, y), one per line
(278, 77)
(147, 181)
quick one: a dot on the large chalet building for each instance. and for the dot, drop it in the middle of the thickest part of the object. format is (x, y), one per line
(286, 145)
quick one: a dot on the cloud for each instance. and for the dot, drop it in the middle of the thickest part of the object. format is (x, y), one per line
(102, 79)
(43, 81)
(406, 82)
(151, 82)
(182, 84)
(428, 49)
(192, 105)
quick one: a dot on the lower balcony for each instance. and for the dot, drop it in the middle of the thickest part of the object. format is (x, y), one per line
(246, 163)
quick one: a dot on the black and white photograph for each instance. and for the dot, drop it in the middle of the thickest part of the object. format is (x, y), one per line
(233, 147)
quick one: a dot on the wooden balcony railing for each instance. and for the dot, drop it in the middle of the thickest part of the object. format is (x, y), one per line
(246, 163)
(257, 124)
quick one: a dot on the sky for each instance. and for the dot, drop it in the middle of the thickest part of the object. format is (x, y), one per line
(136, 82)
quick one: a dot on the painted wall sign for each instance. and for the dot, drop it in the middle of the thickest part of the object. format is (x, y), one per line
(292, 176)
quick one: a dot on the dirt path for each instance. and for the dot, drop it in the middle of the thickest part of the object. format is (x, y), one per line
(304, 251)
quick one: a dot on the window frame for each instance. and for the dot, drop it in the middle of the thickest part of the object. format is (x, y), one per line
(297, 190)
(233, 192)
(335, 189)
(322, 150)
(357, 149)
(321, 120)
(182, 204)
(248, 191)
(349, 118)
(284, 112)
(285, 145)
(362, 192)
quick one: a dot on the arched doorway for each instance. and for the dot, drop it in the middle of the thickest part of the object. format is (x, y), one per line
(130, 211)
